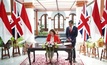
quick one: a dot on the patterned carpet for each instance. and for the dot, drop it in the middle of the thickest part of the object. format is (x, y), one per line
(41, 60)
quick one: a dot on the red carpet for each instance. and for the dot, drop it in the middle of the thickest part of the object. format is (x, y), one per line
(41, 60)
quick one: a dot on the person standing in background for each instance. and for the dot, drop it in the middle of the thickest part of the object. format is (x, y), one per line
(71, 34)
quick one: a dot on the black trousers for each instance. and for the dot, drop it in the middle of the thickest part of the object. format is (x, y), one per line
(73, 52)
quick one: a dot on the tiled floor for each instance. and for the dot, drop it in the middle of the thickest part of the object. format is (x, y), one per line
(12, 60)
(17, 60)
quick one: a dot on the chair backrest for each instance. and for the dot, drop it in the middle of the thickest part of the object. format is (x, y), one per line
(1, 42)
(8, 44)
(15, 42)
(50, 47)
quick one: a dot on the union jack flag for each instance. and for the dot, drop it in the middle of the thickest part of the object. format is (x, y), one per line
(104, 23)
(83, 25)
(16, 23)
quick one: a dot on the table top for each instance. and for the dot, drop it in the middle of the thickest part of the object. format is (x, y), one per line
(60, 47)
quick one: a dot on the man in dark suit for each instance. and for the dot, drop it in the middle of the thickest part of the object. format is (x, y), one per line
(71, 34)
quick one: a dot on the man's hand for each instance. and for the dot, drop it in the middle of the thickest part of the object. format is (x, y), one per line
(69, 40)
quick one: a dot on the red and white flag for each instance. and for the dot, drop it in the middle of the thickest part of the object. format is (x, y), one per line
(104, 22)
(96, 29)
(25, 19)
(105, 35)
(5, 28)
(26, 26)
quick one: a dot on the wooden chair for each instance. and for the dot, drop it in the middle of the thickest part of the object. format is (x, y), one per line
(94, 51)
(5, 50)
(83, 48)
(16, 49)
(104, 53)
(55, 51)
(26, 46)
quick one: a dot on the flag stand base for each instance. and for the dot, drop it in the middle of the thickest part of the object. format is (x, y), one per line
(5, 54)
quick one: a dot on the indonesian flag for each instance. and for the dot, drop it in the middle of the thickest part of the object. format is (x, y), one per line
(5, 28)
(25, 19)
(26, 26)
(96, 29)
(105, 35)
(104, 22)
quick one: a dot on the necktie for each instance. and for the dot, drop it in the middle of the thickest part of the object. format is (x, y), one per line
(70, 29)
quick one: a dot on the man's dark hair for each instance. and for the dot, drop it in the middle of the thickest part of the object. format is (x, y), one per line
(71, 21)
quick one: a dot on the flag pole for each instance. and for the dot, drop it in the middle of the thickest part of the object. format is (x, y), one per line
(105, 32)
(84, 34)
(19, 2)
(16, 35)
(106, 43)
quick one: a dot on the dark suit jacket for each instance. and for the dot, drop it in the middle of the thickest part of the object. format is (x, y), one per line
(72, 35)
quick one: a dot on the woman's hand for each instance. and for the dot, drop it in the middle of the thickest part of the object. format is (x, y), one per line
(55, 42)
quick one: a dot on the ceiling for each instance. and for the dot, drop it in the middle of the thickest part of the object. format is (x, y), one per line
(53, 5)
(57, 5)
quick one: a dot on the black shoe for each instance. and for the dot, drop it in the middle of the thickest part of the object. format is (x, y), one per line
(74, 61)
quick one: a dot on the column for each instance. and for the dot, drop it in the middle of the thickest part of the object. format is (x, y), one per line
(36, 16)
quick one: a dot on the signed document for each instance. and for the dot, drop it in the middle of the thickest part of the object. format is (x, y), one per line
(67, 43)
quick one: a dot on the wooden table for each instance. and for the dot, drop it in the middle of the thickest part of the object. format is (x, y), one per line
(60, 48)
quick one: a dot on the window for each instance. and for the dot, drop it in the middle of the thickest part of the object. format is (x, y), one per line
(43, 22)
(59, 22)
(73, 17)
